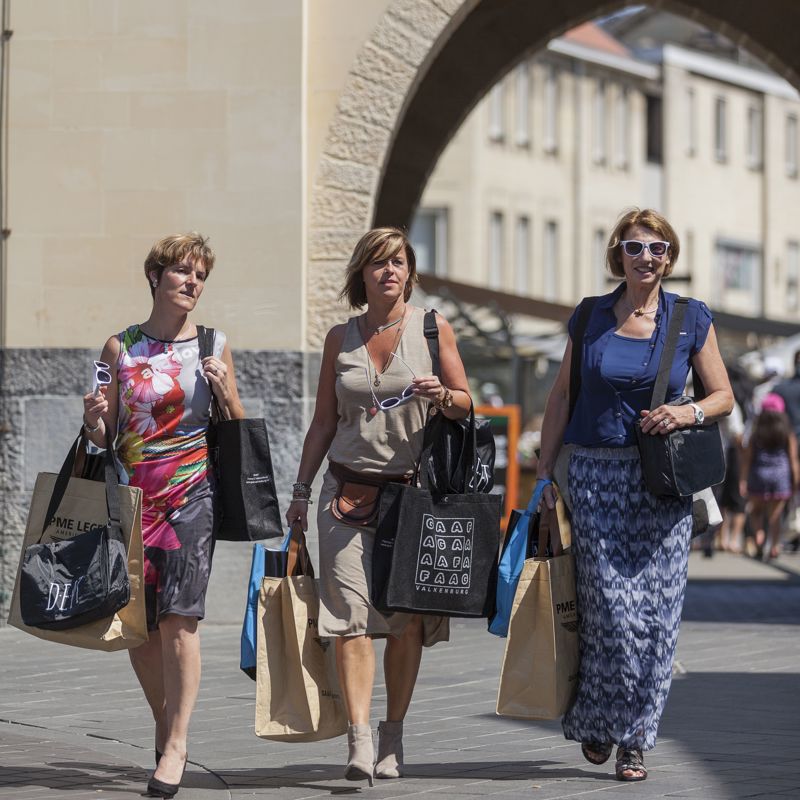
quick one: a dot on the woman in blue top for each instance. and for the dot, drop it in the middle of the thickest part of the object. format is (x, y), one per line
(631, 547)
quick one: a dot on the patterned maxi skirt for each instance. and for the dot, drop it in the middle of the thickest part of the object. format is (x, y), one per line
(631, 555)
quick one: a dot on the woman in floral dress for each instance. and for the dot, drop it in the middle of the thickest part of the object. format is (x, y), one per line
(157, 410)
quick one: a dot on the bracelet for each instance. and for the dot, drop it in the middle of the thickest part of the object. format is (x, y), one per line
(301, 487)
(91, 430)
(446, 400)
(303, 500)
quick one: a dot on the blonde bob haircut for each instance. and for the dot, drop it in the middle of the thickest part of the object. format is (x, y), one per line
(379, 244)
(173, 249)
(647, 218)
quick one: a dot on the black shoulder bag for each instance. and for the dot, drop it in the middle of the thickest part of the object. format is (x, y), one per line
(71, 582)
(238, 452)
(457, 455)
(687, 460)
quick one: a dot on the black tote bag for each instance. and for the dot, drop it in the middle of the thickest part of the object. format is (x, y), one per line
(238, 451)
(71, 582)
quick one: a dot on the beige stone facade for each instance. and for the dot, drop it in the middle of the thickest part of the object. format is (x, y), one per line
(281, 129)
(525, 195)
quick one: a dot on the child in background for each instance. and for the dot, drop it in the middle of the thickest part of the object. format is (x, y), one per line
(769, 472)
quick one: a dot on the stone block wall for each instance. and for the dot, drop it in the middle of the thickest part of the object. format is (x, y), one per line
(40, 416)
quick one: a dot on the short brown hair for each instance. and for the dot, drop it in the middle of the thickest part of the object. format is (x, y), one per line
(378, 244)
(647, 218)
(173, 249)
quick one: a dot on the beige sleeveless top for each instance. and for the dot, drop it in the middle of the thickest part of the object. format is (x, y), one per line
(390, 441)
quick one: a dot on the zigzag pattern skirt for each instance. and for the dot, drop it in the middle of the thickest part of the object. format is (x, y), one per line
(631, 555)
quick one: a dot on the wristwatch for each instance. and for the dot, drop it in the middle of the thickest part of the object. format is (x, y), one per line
(699, 414)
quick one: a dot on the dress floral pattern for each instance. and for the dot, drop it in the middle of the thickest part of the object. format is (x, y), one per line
(161, 448)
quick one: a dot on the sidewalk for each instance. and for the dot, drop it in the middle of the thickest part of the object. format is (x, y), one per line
(73, 722)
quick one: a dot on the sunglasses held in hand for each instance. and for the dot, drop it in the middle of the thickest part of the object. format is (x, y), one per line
(102, 376)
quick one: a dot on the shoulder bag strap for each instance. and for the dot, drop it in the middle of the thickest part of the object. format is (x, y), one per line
(668, 353)
(576, 362)
(431, 331)
(205, 341)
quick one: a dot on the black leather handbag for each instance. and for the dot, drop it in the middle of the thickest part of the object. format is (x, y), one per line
(71, 582)
(458, 455)
(238, 450)
(684, 461)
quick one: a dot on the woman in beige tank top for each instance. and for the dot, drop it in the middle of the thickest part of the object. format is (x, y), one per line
(375, 391)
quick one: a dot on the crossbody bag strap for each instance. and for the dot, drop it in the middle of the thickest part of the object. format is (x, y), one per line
(576, 362)
(668, 353)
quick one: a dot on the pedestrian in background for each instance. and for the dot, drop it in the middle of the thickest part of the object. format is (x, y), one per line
(631, 547)
(156, 410)
(770, 472)
(374, 394)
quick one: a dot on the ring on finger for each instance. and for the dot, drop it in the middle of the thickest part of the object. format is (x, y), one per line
(664, 423)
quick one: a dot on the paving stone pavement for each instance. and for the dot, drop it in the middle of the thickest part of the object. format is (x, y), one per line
(73, 722)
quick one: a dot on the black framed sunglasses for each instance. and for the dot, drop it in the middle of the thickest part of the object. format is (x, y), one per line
(633, 248)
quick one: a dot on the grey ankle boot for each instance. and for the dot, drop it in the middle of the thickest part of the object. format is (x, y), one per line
(360, 754)
(390, 750)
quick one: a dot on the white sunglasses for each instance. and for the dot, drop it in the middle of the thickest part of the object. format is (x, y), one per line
(392, 402)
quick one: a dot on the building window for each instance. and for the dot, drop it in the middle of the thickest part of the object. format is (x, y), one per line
(429, 239)
(754, 137)
(522, 255)
(691, 122)
(720, 129)
(739, 267)
(550, 288)
(522, 85)
(599, 123)
(598, 266)
(655, 136)
(793, 276)
(791, 146)
(622, 156)
(497, 128)
(551, 110)
(495, 250)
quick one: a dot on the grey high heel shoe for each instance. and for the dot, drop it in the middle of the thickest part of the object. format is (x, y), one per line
(360, 754)
(390, 750)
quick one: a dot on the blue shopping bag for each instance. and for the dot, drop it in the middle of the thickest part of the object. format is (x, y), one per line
(268, 561)
(516, 548)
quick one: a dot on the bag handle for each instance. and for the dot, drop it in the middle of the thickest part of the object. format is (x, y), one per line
(111, 482)
(431, 332)
(298, 555)
(554, 527)
(668, 353)
(205, 341)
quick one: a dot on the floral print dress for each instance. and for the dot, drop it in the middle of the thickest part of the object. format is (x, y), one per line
(164, 403)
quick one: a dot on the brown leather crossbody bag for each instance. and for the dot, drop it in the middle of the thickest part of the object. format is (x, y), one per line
(358, 495)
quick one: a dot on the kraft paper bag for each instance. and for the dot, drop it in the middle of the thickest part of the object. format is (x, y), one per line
(83, 506)
(297, 689)
(539, 675)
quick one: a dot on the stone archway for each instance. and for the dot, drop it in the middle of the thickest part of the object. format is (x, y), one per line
(414, 81)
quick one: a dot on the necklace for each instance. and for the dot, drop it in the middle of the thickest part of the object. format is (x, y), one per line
(640, 312)
(382, 328)
(370, 360)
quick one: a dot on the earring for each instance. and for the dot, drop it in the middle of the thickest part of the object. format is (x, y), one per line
(155, 283)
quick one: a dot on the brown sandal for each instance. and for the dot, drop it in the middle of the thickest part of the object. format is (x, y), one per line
(595, 752)
(630, 759)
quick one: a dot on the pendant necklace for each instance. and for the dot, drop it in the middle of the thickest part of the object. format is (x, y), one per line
(640, 312)
(377, 380)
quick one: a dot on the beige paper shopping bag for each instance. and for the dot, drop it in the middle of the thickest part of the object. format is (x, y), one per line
(540, 665)
(297, 691)
(84, 506)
